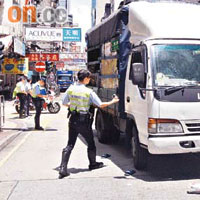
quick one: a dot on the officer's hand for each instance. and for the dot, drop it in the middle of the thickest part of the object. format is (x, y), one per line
(115, 99)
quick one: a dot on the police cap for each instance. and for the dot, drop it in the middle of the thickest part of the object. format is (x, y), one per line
(83, 73)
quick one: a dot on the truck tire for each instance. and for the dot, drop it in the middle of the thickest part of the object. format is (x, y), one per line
(102, 133)
(140, 155)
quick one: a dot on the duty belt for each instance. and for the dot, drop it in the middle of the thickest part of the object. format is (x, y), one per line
(81, 117)
(75, 113)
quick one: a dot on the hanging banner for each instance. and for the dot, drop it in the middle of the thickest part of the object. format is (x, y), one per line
(15, 66)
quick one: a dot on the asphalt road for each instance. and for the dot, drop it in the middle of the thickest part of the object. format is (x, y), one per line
(28, 169)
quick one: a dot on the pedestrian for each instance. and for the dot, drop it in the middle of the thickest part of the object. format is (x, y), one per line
(37, 100)
(28, 89)
(78, 98)
(21, 93)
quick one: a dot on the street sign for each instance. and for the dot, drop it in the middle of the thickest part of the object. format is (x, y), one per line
(40, 67)
(72, 34)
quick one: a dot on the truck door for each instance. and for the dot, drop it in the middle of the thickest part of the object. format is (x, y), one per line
(135, 97)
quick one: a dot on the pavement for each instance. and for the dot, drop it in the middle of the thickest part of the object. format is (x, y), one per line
(12, 127)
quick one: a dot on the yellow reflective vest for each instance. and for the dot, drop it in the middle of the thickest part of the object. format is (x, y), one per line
(79, 98)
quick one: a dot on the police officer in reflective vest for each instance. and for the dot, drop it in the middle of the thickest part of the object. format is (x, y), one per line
(21, 93)
(79, 98)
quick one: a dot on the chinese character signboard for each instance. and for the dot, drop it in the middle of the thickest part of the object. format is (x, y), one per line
(76, 57)
(71, 34)
(34, 57)
(60, 65)
(75, 49)
(115, 45)
(73, 59)
(53, 34)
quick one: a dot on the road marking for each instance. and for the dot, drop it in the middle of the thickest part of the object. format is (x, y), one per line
(2, 162)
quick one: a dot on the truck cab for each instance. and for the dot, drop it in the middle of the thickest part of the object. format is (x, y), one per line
(162, 95)
(64, 79)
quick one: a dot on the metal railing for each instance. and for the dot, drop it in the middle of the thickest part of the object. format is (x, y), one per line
(2, 111)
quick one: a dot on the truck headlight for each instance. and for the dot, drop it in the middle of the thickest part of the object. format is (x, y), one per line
(164, 126)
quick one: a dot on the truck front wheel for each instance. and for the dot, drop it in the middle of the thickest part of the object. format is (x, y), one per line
(139, 154)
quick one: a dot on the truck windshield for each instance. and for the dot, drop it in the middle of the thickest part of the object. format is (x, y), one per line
(64, 78)
(176, 65)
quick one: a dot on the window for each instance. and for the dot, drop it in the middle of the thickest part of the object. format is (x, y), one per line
(176, 64)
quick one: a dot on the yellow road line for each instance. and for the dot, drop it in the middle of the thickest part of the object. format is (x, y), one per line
(2, 162)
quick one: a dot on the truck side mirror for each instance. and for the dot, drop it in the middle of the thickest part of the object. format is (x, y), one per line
(138, 74)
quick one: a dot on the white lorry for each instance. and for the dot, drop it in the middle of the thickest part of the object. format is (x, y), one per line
(149, 55)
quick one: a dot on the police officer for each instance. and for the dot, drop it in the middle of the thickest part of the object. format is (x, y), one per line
(21, 93)
(28, 89)
(79, 98)
(37, 97)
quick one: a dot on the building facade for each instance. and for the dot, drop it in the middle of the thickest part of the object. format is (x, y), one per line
(98, 10)
(6, 26)
(11, 35)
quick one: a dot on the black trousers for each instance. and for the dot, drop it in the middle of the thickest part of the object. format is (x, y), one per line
(22, 100)
(28, 100)
(80, 125)
(38, 107)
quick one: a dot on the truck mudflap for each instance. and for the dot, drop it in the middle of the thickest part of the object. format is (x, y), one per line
(174, 145)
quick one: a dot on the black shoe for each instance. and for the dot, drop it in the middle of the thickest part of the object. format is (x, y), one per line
(63, 175)
(63, 172)
(96, 165)
(39, 128)
(22, 117)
